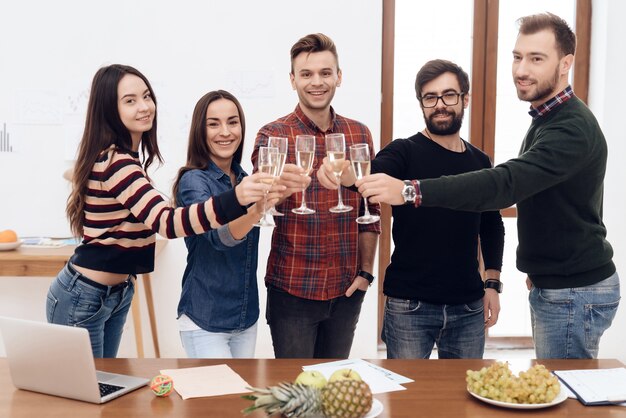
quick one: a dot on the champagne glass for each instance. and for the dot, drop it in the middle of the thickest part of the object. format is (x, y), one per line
(267, 163)
(336, 152)
(305, 154)
(360, 158)
(281, 144)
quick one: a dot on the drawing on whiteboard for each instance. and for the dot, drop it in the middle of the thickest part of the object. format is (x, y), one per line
(39, 107)
(251, 84)
(5, 140)
(77, 103)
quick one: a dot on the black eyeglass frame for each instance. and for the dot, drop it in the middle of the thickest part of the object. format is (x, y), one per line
(442, 98)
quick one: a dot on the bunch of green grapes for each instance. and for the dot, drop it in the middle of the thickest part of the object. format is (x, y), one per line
(497, 382)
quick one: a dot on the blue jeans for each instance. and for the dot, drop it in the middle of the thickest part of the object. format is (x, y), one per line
(204, 344)
(568, 323)
(304, 328)
(412, 327)
(102, 310)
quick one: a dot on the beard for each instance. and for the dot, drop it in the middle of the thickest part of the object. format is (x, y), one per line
(543, 91)
(450, 127)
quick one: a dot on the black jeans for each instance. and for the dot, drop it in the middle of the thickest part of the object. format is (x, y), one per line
(304, 328)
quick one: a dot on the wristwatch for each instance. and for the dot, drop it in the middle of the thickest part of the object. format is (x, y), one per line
(408, 192)
(494, 284)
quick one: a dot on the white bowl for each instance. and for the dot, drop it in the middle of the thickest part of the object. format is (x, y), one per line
(7, 246)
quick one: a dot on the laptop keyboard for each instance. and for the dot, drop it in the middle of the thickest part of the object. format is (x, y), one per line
(108, 389)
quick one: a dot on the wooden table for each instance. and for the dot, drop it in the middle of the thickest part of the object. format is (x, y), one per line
(47, 262)
(438, 391)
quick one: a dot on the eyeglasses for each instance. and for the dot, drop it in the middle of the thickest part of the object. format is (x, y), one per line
(448, 99)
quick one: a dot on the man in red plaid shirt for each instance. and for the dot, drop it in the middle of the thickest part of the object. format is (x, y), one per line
(320, 264)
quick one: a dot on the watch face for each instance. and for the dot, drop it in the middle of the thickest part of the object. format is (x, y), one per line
(408, 193)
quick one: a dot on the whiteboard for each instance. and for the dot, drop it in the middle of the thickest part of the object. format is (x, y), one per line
(51, 50)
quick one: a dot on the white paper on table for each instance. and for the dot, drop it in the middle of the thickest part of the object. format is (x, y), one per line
(197, 382)
(378, 381)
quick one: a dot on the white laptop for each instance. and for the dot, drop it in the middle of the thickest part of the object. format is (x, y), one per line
(57, 360)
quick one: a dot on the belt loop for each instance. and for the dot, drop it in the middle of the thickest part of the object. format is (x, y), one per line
(75, 275)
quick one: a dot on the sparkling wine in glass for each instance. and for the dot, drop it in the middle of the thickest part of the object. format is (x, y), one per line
(267, 163)
(305, 154)
(361, 163)
(336, 153)
(280, 143)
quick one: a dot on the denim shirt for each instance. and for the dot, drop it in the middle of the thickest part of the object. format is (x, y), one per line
(220, 292)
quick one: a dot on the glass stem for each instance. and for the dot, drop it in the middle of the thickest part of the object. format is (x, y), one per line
(264, 213)
(303, 204)
(339, 192)
(367, 211)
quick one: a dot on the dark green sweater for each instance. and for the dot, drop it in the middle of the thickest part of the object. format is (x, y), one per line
(557, 183)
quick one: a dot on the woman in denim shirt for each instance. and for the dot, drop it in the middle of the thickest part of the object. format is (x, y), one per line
(219, 304)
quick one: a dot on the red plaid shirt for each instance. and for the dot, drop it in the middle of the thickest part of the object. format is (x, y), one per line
(315, 256)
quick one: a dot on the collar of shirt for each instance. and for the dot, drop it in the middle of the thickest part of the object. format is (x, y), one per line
(216, 173)
(309, 123)
(554, 102)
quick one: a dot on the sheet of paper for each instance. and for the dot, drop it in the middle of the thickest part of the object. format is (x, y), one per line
(379, 379)
(596, 385)
(198, 382)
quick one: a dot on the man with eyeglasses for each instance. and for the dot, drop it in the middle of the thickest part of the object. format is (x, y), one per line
(557, 182)
(435, 293)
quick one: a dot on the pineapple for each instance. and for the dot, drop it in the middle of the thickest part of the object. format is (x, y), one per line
(346, 399)
(291, 400)
(340, 399)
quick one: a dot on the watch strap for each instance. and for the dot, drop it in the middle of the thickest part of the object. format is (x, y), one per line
(494, 284)
(367, 276)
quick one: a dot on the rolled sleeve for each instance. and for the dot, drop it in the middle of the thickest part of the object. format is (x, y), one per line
(226, 238)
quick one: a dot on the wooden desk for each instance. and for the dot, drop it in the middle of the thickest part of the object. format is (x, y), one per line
(47, 262)
(438, 391)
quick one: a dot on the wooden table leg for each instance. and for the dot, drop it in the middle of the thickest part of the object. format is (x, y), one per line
(136, 308)
(150, 305)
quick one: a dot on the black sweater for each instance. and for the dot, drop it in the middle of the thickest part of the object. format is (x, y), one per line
(435, 258)
(557, 182)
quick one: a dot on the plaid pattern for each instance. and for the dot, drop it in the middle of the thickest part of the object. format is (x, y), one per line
(315, 256)
(560, 98)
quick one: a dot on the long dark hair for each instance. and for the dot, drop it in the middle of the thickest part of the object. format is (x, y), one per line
(198, 152)
(104, 128)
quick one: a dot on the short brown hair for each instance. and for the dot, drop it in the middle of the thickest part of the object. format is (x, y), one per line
(435, 68)
(315, 42)
(565, 37)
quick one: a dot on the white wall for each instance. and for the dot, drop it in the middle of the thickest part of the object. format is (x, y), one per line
(608, 62)
(50, 51)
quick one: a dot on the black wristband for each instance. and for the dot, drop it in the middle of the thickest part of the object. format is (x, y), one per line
(367, 276)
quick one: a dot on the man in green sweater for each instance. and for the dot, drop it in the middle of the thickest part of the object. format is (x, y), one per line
(557, 184)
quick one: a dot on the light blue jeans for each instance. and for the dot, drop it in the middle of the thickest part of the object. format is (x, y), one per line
(101, 310)
(568, 323)
(205, 344)
(412, 327)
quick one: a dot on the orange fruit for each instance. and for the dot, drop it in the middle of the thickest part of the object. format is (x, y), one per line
(8, 235)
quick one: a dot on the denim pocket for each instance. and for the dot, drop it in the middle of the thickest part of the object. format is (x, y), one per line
(88, 304)
(51, 304)
(555, 296)
(598, 318)
(401, 306)
(475, 306)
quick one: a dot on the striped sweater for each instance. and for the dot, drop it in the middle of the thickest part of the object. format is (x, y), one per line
(123, 212)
